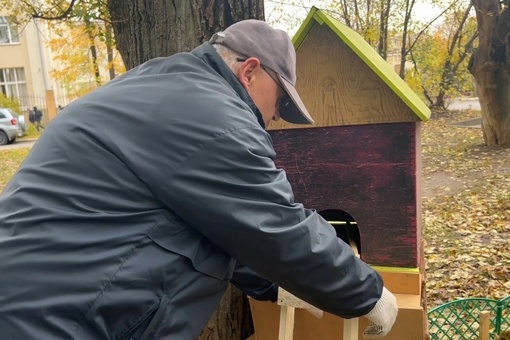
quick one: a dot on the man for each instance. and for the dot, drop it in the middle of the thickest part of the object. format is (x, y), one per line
(142, 200)
(37, 116)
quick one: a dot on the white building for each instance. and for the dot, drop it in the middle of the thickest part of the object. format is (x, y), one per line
(25, 62)
(26, 65)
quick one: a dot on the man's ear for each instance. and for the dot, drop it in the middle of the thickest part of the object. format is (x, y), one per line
(249, 72)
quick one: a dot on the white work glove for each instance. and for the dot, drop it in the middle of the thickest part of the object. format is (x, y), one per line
(382, 316)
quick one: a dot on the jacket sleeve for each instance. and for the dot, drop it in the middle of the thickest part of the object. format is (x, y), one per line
(253, 284)
(231, 191)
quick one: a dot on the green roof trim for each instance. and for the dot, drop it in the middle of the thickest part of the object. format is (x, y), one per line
(399, 270)
(367, 54)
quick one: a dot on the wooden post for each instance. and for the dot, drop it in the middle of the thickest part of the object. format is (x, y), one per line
(286, 323)
(484, 325)
(351, 325)
(350, 329)
(288, 304)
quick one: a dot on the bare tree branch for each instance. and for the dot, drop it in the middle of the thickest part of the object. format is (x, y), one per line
(46, 15)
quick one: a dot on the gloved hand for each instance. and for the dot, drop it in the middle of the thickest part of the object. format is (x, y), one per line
(382, 316)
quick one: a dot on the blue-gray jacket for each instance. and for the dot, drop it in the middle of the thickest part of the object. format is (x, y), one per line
(126, 217)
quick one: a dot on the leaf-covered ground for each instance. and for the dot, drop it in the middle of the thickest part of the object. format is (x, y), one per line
(10, 160)
(466, 211)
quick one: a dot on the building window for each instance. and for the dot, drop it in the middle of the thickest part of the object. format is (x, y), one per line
(8, 32)
(13, 84)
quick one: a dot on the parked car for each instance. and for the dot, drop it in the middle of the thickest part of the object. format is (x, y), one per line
(9, 128)
(21, 124)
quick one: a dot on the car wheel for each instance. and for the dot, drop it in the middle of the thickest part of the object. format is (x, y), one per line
(12, 141)
(3, 138)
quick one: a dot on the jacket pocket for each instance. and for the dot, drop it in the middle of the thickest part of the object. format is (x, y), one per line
(135, 331)
(180, 238)
(155, 322)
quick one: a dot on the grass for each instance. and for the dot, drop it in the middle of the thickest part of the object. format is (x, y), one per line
(31, 132)
(10, 160)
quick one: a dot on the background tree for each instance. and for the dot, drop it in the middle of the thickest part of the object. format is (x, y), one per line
(78, 70)
(490, 66)
(80, 37)
(370, 18)
(389, 26)
(440, 58)
(407, 9)
(145, 29)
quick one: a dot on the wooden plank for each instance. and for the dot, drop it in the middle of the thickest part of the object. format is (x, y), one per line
(351, 325)
(286, 331)
(351, 329)
(401, 283)
(419, 194)
(408, 301)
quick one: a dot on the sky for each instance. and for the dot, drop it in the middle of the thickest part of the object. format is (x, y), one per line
(291, 16)
(426, 12)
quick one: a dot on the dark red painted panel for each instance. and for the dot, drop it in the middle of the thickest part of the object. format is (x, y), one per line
(368, 171)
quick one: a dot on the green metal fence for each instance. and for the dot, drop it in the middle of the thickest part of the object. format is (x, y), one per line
(459, 320)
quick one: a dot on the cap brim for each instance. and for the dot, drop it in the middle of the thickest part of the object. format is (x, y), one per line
(296, 111)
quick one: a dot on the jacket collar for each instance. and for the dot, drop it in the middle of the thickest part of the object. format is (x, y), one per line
(208, 54)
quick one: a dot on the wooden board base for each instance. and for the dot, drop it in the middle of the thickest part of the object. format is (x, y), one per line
(401, 280)
(410, 324)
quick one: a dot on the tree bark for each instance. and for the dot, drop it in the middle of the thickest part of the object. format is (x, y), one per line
(490, 67)
(109, 50)
(145, 29)
(93, 55)
(384, 17)
(409, 5)
(232, 320)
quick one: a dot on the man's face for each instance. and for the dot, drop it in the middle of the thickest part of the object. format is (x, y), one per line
(263, 87)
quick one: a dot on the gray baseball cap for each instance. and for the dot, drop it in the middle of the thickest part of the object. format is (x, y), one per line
(274, 49)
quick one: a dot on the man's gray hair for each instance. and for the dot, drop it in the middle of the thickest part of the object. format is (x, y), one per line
(229, 57)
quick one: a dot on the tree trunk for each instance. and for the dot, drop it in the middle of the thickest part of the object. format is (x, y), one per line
(93, 54)
(109, 50)
(454, 58)
(232, 320)
(409, 5)
(384, 17)
(490, 67)
(145, 29)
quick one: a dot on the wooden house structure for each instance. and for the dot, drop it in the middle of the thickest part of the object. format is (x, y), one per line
(358, 166)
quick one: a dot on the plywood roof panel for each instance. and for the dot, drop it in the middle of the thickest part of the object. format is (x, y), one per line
(343, 81)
